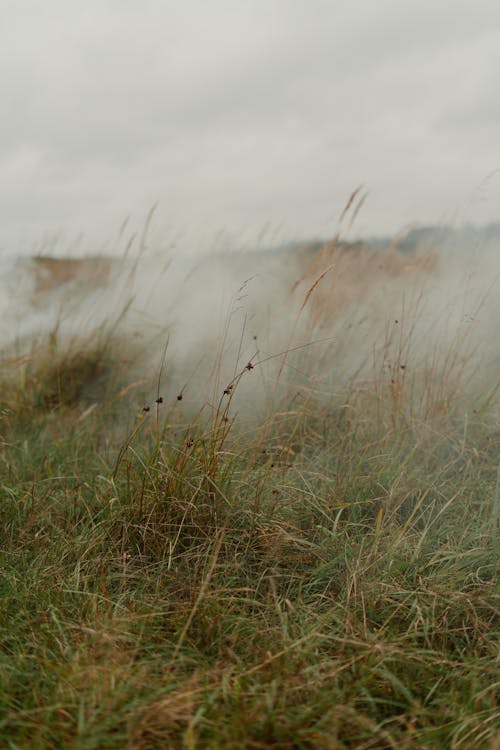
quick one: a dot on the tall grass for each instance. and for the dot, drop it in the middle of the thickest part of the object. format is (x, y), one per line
(323, 576)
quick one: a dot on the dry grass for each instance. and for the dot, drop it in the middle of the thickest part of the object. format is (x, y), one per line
(321, 577)
(52, 273)
(349, 274)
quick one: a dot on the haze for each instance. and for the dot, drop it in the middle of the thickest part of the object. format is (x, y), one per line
(258, 118)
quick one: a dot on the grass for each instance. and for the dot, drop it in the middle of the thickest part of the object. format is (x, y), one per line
(322, 578)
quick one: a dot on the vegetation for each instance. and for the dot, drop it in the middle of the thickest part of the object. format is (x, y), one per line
(321, 578)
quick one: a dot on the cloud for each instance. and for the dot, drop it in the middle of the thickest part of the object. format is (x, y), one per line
(234, 114)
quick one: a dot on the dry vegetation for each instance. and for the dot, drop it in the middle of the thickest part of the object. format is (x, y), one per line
(51, 273)
(174, 576)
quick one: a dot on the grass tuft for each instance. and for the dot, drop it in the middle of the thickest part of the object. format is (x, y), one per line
(322, 578)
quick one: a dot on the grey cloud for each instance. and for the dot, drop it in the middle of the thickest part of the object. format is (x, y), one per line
(244, 112)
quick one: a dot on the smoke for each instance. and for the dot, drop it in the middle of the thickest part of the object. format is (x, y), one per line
(316, 318)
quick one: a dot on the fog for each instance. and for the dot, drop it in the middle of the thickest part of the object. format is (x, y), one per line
(318, 321)
(200, 146)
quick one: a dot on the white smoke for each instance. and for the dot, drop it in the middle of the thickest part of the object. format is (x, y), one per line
(220, 312)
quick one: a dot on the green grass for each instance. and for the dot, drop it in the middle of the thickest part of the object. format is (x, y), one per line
(323, 579)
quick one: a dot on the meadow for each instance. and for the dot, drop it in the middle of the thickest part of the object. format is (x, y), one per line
(292, 545)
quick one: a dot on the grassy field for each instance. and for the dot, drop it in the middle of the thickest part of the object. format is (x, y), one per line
(320, 576)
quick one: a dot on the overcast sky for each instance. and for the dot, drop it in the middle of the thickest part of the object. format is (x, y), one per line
(238, 115)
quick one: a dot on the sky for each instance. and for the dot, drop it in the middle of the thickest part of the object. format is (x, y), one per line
(250, 121)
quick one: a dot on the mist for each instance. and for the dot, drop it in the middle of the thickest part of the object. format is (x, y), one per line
(247, 129)
(319, 318)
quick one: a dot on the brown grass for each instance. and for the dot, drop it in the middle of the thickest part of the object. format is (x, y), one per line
(338, 275)
(51, 273)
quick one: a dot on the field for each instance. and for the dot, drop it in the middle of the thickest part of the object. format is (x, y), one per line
(293, 544)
